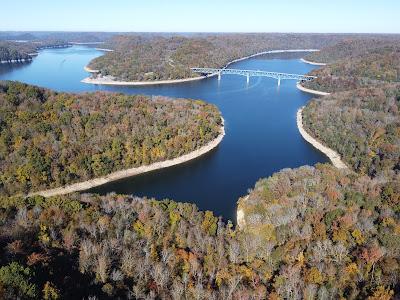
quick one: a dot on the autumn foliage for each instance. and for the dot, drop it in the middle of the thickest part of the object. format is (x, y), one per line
(50, 139)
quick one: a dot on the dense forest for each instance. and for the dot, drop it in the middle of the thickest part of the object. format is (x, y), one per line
(325, 234)
(374, 67)
(361, 118)
(352, 47)
(150, 57)
(15, 51)
(362, 125)
(310, 233)
(49, 139)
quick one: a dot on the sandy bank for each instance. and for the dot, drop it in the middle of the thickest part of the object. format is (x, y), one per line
(85, 185)
(104, 49)
(86, 43)
(110, 80)
(87, 69)
(240, 220)
(271, 52)
(314, 92)
(312, 62)
(331, 154)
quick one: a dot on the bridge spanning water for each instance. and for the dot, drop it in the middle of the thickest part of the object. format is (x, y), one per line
(249, 73)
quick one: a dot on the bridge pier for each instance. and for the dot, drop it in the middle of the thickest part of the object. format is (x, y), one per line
(248, 78)
(219, 76)
(279, 81)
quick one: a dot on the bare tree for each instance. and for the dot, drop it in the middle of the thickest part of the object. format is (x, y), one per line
(234, 251)
(233, 284)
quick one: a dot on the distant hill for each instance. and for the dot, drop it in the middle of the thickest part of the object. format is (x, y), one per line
(15, 51)
(56, 35)
(12, 51)
(353, 47)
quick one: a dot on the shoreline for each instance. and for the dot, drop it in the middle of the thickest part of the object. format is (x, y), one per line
(110, 81)
(240, 218)
(104, 49)
(270, 52)
(91, 183)
(330, 153)
(89, 70)
(312, 62)
(16, 61)
(32, 55)
(333, 156)
(310, 91)
(86, 43)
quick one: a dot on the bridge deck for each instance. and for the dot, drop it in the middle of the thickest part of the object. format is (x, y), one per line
(248, 73)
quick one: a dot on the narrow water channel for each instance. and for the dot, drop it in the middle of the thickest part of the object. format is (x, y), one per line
(260, 119)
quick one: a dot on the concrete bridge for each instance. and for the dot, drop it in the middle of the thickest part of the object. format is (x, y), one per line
(248, 73)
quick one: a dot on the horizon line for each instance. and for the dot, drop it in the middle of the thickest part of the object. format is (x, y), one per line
(249, 32)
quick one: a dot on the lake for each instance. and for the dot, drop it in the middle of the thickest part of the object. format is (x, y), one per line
(260, 123)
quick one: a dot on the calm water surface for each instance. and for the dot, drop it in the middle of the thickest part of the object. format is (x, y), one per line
(260, 120)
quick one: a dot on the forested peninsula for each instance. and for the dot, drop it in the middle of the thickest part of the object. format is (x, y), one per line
(50, 139)
(147, 58)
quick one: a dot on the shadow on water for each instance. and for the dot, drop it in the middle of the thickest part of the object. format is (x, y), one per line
(260, 123)
(6, 69)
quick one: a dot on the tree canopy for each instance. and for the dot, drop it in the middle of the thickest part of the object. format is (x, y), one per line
(50, 139)
(162, 57)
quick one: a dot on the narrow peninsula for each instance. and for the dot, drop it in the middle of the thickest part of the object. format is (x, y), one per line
(97, 77)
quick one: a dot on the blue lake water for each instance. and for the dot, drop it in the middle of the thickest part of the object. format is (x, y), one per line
(260, 120)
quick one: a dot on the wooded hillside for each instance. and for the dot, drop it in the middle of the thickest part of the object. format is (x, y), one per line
(17, 51)
(362, 125)
(370, 69)
(149, 57)
(310, 233)
(353, 47)
(49, 139)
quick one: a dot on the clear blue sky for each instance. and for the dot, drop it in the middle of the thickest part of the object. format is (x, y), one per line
(202, 15)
